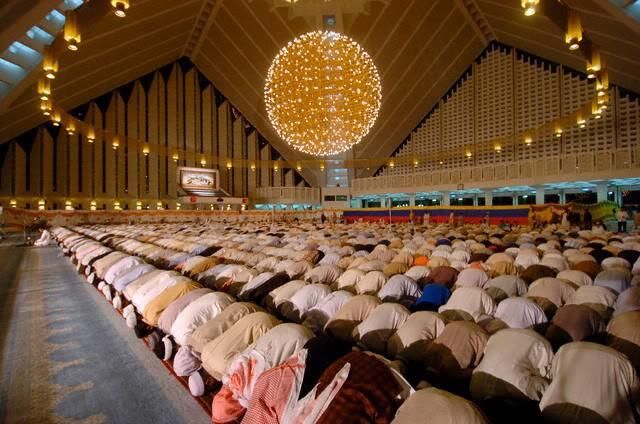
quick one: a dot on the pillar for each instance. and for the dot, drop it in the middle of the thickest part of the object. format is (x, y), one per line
(602, 190)
(539, 195)
(488, 198)
(412, 200)
(445, 199)
(475, 200)
(562, 198)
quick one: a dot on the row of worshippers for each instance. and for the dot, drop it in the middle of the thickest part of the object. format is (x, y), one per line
(467, 315)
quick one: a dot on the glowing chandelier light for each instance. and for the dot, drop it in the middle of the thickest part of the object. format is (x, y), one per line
(322, 93)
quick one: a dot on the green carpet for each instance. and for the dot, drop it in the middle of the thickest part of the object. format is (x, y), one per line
(67, 357)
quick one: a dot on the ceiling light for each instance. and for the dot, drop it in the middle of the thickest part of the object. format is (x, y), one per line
(49, 62)
(121, 7)
(45, 107)
(44, 88)
(71, 30)
(530, 7)
(56, 119)
(573, 37)
(322, 93)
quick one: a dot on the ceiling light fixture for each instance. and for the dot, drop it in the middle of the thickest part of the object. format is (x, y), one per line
(49, 62)
(322, 93)
(530, 7)
(121, 7)
(72, 30)
(573, 37)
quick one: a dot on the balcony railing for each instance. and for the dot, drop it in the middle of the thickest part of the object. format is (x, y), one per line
(287, 195)
(620, 163)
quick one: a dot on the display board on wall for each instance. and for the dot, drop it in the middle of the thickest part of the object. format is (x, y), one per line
(199, 181)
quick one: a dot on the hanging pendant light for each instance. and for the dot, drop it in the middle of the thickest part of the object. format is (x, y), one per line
(71, 128)
(49, 62)
(594, 64)
(530, 7)
(121, 7)
(72, 30)
(56, 120)
(596, 110)
(602, 85)
(573, 37)
(45, 107)
(44, 88)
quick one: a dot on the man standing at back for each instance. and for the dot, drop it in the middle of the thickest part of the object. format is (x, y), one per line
(621, 217)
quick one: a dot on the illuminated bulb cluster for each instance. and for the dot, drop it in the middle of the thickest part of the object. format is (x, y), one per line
(322, 93)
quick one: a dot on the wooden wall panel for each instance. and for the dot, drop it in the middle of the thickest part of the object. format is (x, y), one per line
(265, 173)
(35, 165)
(252, 175)
(7, 174)
(176, 110)
(47, 165)
(74, 170)
(20, 169)
(100, 149)
(148, 117)
(223, 144)
(189, 118)
(171, 90)
(61, 161)
(238, 152)
(110, 154)
(158, 120)
(121, 126)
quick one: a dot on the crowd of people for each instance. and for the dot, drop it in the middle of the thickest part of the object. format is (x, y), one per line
(333, 323)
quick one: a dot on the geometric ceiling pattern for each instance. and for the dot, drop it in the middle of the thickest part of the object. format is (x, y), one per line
(420, 48)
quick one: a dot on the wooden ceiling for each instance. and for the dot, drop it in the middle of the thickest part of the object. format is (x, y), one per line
(420, 47)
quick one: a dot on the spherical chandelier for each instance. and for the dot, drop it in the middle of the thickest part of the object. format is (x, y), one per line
(322, 93)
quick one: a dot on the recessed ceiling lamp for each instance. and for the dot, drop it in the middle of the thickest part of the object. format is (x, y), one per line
(322, 93)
